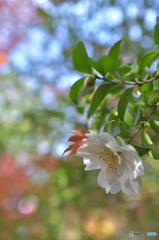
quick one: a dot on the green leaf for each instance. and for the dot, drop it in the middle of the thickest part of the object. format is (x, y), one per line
(130, 77)
(75, 89)
(98, 120)
(129, 116)
(114, 54)
(102, 65)
(119, 63)
(138, 115)
(99, 95)
(123, 102)
(156, 84)
(146, 59)
(146, 141)
(110, 115)
(134, 66)
(153, 98)
(156, 34)
(154, 123)
(147, 87)
(141, 151)
(80, 59)
(117, 89)
(154, 151)
(123, 129)
(124, 69)
(157, 72)
(155, 139)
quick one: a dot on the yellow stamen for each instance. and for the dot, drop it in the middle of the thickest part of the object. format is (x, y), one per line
(108, 156)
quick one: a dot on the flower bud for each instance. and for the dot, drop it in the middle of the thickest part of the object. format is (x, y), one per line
(89, 81)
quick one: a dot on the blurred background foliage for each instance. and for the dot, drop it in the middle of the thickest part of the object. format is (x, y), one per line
(42, 196)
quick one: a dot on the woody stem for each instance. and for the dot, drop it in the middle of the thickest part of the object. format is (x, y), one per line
(144, 122)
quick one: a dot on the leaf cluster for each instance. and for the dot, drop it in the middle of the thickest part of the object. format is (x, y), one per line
(126, 96)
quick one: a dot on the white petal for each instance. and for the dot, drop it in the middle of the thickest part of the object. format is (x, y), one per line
(113, 145)
(86, 161)
(90, 146)
(91, 165)
(110, 177)
(136, 184)
(131, 158)
(124, 173)
(101, 179)
(147, 165)
(115, 187)
(133, 163)
(96, 138)
(127, 188)
(110, 174)
(107, 137)
(125, 145)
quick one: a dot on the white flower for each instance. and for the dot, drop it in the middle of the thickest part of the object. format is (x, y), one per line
(121, 167)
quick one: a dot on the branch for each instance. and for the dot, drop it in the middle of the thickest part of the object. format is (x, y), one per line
(147, 81)
(128, 83)
(144, 122)
(106, 80)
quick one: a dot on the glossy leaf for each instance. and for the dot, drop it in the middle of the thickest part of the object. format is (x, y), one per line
(147, 87)
(138, 115)
(147, 142)
(146, 59)
(153, 97)
(154, 122)
(80, 59)
(99, 95)
(155, 139)
(154, 151)
(134, 66)
(130, 77)
(130, 116)
(102, 65)
(156, 84)
(114, 54)
(117, 89)
(156, 34)
(123, 102)
(98, 120)
(123, 129)
(141, 151)
(124, 69)
(75, 89)
(157, 71)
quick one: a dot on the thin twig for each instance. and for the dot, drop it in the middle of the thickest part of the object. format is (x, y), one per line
(128, 83)
(106, 80)
(144, 122)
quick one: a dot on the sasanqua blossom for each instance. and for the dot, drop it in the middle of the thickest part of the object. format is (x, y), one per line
(121, 166)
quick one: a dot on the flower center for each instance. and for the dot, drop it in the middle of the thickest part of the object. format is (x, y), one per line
(109, 158)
